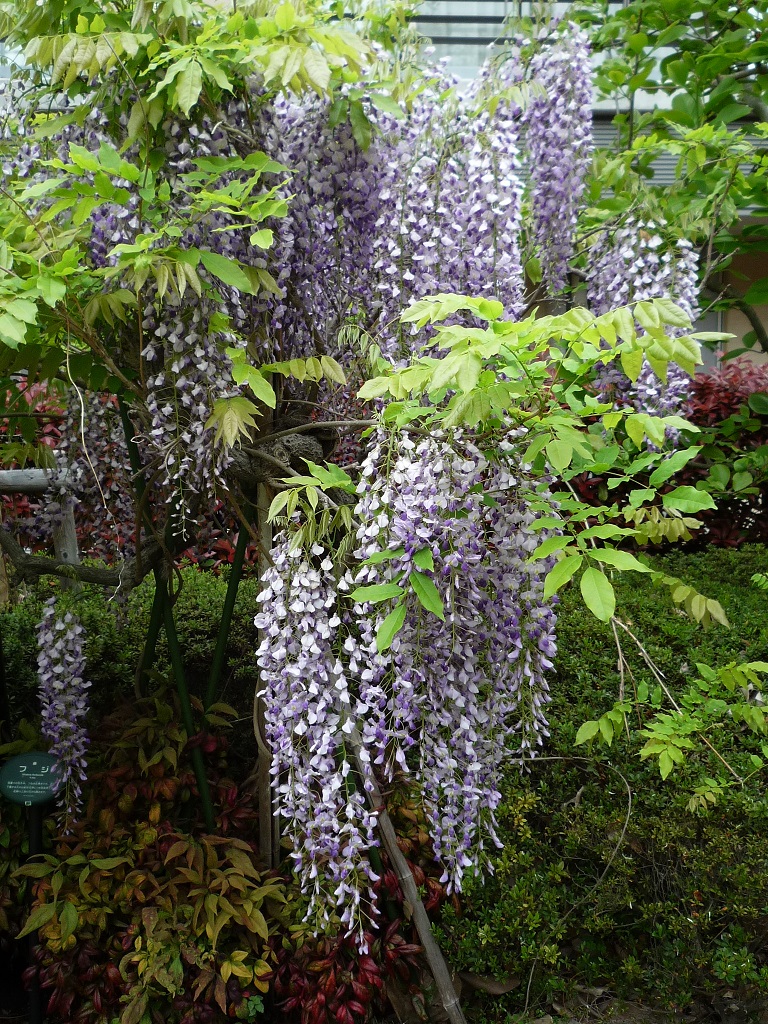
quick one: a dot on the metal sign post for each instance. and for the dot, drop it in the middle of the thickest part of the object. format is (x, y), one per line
(30, 780)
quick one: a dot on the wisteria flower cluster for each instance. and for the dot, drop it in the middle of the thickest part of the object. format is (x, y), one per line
(460, 689)
(434, 205)
(559, 147)
(64, 700)
(632, 263)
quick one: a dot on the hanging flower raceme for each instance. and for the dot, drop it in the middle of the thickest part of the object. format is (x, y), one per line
(559, 147)
(414, 214)
(64, 700)
(310, 714)
(438, 672)
(633, 263)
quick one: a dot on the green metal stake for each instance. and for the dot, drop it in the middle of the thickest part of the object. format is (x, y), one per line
(150, 644)
(219, 654)
(174, 650)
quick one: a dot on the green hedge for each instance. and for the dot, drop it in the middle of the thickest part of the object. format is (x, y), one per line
(676, 906)
(115, 636)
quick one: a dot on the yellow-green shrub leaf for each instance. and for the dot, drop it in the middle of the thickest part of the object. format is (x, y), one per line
(598, 594)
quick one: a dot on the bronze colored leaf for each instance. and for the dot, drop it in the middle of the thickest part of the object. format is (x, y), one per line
(485, 983)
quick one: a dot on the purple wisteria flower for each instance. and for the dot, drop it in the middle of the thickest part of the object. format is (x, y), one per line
(559, 146)
(64, 700)
(448, 702)
(638, 262)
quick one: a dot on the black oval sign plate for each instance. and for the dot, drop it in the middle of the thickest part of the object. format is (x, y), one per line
(30, 778)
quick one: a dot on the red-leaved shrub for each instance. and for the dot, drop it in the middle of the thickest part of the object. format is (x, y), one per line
(720, 392)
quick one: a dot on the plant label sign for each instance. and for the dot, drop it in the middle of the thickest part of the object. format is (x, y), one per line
(30, 779)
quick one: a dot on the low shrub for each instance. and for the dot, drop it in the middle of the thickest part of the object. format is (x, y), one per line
(144, 917)
(720, 392)
(138, 910)
(667, 905)
(646, 899)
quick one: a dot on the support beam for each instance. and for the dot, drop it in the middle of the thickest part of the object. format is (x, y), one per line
(30, 481)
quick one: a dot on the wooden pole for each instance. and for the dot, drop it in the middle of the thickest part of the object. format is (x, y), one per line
(35, 483)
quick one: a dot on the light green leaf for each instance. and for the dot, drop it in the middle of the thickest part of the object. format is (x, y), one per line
(384, 556)
(559, 575)
(671, 314)
(376, 593)
(189, 84)
(598, 594)
(285, 17)
(374, 388)
(717, 612)
(389, 628)
(647, 315)
(640, 425)
(262, 238)
(387, 105)
(316, 69)
(12, 331)
(427, 593)
(606, 730)
(332, 370)
(632, 362)
(624, 323)
(550, 546)
(488, 309)
(622, 560)
(332, 476)
(277, 504)
(468, 371)
(232, 418)
(423, 558)
(23, 309)
(688, 500)
(586, 732)
(673, 465)
(244, 373)
(228, 271)
(559, 454)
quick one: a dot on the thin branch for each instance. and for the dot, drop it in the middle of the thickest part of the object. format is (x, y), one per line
(126, 576)
(308, 428)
